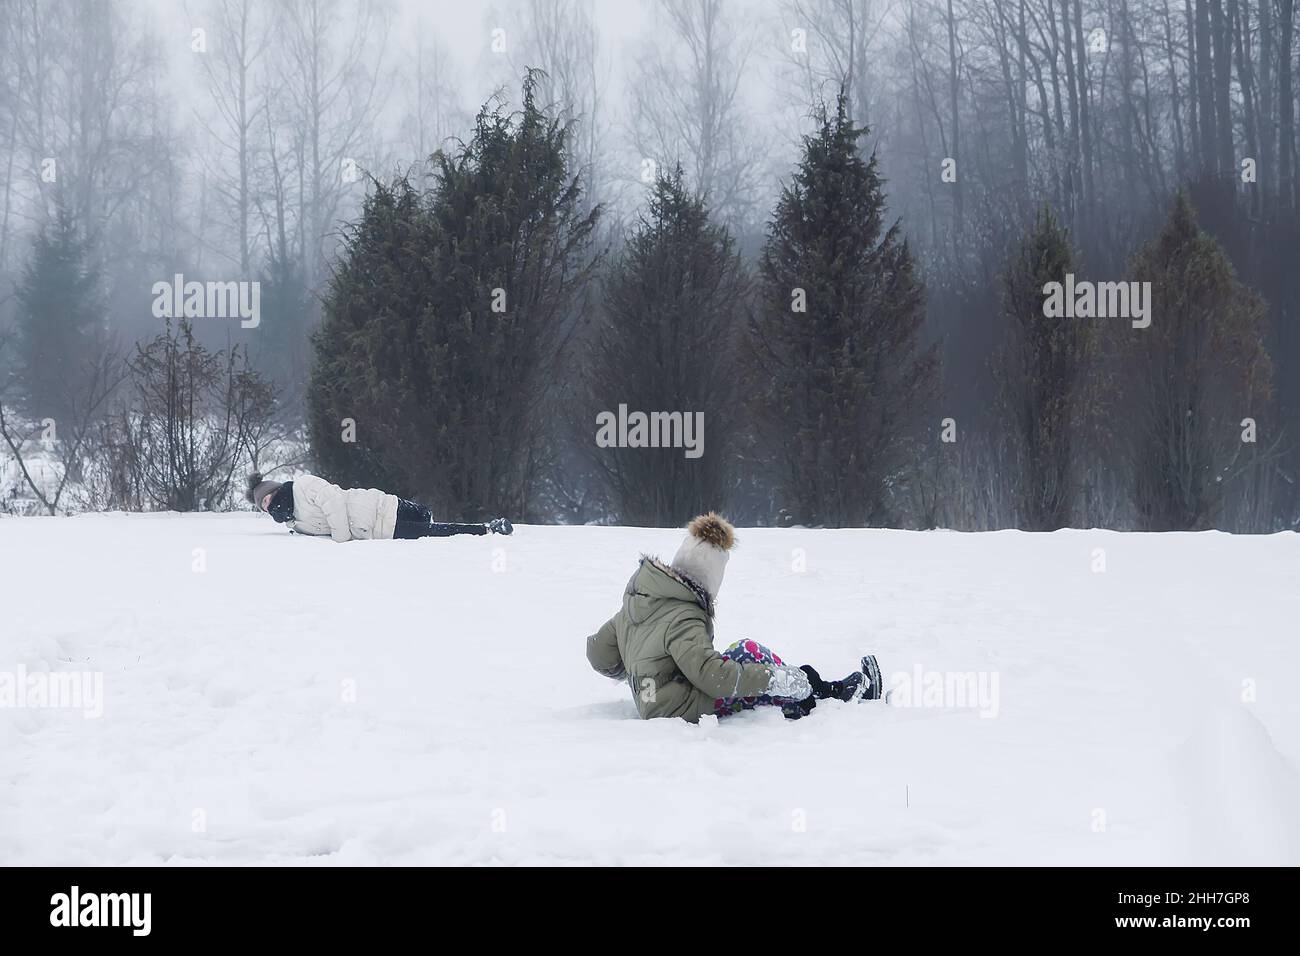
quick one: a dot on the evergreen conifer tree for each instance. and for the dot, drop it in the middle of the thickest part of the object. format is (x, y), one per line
(674, 303)
(1192, 377)
(58, 321)
(1042, 372)
(435, 360)
(838, 364)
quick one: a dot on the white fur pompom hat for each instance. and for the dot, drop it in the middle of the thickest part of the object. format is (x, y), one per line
(703, 555)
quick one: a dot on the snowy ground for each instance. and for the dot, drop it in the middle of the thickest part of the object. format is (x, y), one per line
(276, 699)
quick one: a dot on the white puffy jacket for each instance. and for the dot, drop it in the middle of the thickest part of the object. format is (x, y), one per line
(321, 508)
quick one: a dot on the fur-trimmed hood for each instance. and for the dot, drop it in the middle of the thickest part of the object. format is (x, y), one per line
(671, 584)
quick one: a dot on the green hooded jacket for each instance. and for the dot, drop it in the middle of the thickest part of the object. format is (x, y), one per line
(661, 643)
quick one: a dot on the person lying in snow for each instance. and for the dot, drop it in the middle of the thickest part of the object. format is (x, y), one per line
(317, 507)
(661, 643)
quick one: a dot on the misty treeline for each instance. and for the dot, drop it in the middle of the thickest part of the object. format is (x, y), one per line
(824, 225)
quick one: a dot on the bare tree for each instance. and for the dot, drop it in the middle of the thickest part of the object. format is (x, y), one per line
(561, 40)
(193, 414)
(433, 110)
(1286, 105)
(83, 72)
(10, 94)
(330, 69)
(239, 37)
(686, 104)
(839, 42)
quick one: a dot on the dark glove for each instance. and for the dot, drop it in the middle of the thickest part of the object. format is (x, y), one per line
(821, 689)
(799, 709)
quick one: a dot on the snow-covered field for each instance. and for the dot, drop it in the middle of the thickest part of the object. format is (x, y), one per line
(276, 699)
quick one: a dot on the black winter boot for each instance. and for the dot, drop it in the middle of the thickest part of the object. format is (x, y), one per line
(859, 684)
(821, 688)
(845, 689)
(875, 686)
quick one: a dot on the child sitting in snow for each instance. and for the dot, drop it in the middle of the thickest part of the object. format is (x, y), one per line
(317, 507)
(661, 643)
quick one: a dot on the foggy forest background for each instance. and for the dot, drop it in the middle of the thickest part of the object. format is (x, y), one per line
(650, 183)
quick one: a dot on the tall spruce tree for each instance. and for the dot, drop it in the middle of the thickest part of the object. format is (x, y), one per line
(672, 312)
(283, 344)
(1042, 372)
(442, 325)
(58, 321)
(1192, 377)
(837, 363)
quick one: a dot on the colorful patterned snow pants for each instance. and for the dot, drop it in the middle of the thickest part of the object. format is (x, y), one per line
(748, 652)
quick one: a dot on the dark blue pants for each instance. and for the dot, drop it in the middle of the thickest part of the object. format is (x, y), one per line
(415, 521)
